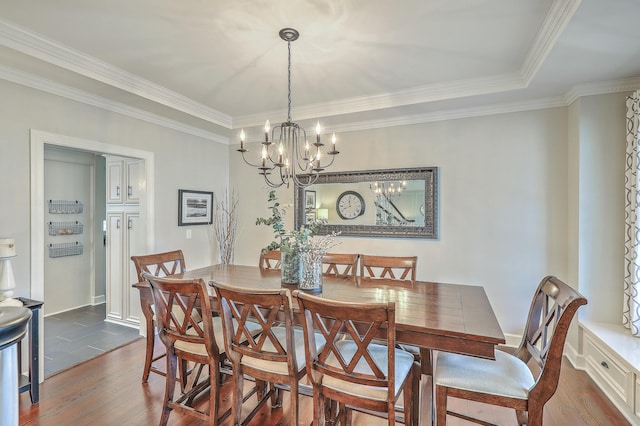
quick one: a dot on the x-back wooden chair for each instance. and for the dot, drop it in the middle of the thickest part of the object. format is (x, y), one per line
(341, 265)
(400, 268)
(158, 264)
(350, 369)
(508, 381)
(269, 260)
(189, 333)
(276, 355)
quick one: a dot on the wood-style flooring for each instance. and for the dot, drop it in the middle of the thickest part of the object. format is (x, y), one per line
(107, 390)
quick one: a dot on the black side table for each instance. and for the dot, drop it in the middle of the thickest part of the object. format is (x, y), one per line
(32, 381)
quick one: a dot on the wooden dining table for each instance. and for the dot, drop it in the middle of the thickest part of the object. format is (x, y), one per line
(435, 316)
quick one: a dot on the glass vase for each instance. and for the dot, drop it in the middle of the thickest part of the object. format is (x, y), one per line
(310, 274)
(289, 267)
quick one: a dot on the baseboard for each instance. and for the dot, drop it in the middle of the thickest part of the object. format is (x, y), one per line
(98, 300)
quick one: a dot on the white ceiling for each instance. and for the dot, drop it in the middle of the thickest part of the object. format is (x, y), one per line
(214, 67)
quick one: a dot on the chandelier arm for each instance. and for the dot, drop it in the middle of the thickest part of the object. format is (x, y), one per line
(269, 183)
(249, 163)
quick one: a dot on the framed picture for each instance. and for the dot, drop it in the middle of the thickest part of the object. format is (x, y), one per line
(194, 207)
(310, 216)
(310, 199)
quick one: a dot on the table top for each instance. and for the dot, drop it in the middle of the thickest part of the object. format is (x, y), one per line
(450, 317)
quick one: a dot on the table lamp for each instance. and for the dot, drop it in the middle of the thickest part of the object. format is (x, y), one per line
(322, 215)
(7, 280)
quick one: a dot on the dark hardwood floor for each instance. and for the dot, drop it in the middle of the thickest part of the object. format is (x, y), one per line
(106, 390)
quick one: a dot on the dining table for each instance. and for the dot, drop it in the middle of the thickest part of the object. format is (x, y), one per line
(430, 315)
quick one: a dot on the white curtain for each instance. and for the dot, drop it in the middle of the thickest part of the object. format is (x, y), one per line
(631, 308)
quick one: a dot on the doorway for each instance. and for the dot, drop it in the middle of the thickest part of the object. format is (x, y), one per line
(40, 140)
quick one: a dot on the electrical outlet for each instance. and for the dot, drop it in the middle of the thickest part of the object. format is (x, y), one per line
(188, 234)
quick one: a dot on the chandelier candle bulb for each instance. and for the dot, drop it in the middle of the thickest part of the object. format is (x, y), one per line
(267, 127)
(242, 139)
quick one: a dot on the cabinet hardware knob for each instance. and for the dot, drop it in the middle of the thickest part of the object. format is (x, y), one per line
(117, 190)
(604, 364)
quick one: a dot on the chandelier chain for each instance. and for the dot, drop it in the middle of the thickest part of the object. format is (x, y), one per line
(289, 82)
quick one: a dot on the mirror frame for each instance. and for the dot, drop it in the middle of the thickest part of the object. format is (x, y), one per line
(428, 174)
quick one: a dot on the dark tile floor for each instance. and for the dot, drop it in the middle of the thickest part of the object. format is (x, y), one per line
(75, 336)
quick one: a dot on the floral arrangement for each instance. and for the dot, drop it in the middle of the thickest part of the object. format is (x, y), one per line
(285, 241)
(299, 248)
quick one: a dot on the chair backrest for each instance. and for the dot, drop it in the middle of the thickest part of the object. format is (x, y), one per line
(180, 306)
(342, 265)
(341, 322)
(552, 309)
(269, 260)
(387, 267)
(159, 264)
(242, 309)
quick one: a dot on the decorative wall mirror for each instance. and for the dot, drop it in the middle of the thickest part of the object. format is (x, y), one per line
(400, 203)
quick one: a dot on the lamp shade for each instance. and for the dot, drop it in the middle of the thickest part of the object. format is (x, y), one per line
(322, 214)
(7, 248)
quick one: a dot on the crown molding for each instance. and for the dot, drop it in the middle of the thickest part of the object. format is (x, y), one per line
(34, 45)
(416, 95)
(452, 114)
(601, 88)
(38, 83)
(554, 24)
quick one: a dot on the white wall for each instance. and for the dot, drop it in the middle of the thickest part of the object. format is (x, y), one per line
(181, 161)
(601, 205)
(503, 202)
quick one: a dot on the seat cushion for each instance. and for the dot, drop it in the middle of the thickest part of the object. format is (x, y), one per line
(281, 367)
(506, 376)
(198, 348)
(403, 363)
(218, 332)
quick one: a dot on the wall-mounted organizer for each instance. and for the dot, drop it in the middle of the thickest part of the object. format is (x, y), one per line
(65, 228)
(65, 206)
(65, 249)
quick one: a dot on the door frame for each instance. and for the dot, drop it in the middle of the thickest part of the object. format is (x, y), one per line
(38, 141)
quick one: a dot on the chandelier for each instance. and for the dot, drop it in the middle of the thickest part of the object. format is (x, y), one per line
(388, 189)
(287, 156)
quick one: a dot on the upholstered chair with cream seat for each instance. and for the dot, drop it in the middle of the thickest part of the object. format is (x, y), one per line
(162, 265)
(188, 338)
(508, 380)
(275, 356)
(351, 370)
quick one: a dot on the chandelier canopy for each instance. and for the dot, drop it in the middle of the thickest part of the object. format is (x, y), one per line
(294, 159)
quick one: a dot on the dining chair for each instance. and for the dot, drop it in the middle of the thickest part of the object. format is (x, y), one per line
(350, 370)
(158, 264)
(269, 260)
(188, 338)
(340, 265)
(275, 356)
(386, 267)
(508, 381)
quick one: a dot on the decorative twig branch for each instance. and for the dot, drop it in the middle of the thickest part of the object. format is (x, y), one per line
(225, 221)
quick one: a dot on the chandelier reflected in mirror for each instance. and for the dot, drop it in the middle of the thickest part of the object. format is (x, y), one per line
(286, 154)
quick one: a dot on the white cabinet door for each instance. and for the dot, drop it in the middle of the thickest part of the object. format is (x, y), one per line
(115, 239)
(133, 175)
(114, 182)
(134, 246)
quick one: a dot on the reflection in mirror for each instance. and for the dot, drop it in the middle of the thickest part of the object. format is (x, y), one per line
(398, 203)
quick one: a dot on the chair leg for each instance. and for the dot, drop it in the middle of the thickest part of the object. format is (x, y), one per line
(172, 366)
(522, 417)
(441, 405)
(148, 358)
(236, 404)
(294, 402)
(214, 394)
(318, 407)
(411, 392)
